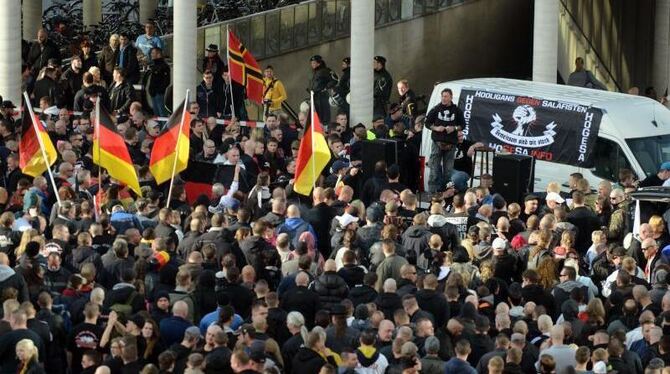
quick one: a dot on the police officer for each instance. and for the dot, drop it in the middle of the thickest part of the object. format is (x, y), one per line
(322, 80)
(383, 84)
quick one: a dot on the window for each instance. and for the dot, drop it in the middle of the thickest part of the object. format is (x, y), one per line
(608, 159)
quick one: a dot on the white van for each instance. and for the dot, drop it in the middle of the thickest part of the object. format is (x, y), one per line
(557, 124)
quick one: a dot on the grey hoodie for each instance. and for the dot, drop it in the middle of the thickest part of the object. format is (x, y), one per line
(9, 278)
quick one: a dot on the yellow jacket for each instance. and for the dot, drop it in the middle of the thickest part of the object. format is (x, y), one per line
(275, 92)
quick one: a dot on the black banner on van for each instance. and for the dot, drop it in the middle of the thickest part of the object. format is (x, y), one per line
(545, 129)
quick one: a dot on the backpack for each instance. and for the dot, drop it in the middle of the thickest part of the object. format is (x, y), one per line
(125, 309)
(62, 311)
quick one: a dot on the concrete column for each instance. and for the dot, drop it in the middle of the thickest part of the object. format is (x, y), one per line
(147, 10)
(92, 10)
(10, 43)
(362, 52)
(661, 67)
(185, 50)
(32, 19)
(545, 41)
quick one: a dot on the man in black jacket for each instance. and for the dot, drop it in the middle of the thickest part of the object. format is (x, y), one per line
(322, 81)
(259, 253)
(72, 81)
(301, 299)
(240, 297)
(343, 86)
(533, 291)
(42, 51)
(444, 120)
(124, 293)
(585, 220)
(208, 97)
(448, 232)
(236, 100)
(48, 87)
(430, 300)
(321, 217)
(120, 92)
(159, 80)
(383, 85)
(374, 186)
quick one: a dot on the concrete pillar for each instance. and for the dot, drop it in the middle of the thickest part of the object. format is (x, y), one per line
(10, 43)
(185, 50)
(661, 72)
(362, 52)
(32, 19)
(92, 10)
(147, 10)
(545, 41)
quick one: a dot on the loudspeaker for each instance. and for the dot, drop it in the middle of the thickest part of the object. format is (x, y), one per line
(513, 176)
(378, 150)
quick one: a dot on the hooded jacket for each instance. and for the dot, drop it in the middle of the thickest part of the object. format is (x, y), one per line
(294, 227)
(362, 294)
(307, 361)
(448, 232)
(352, 274)
(415, 239)
(81, 256)
(538, 295)
(9, 278)
(561, 291)
(435, 303)
(388, 302)
(369, 234)
(260, 254)
(331, 288)
(370, 360)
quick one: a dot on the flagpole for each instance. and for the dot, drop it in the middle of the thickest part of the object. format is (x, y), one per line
(176, 153)
(97, 132)
(311, 126)
(232, 100)
(38, 135)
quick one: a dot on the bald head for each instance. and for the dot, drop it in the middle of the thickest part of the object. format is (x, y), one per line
(103, 370)
(180, 309)
(390, 285)
(330, 265)
(302, 279)
(293, 211)
(557, 334)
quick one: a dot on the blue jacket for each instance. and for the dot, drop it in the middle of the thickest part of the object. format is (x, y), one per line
(122, 221)
(212, 317)
(456, 365)
(172, 330)
(294, 227)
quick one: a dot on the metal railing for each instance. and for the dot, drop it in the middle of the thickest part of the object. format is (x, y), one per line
(278, 31)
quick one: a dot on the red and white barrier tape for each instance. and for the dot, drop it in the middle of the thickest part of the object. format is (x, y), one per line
(251, 124)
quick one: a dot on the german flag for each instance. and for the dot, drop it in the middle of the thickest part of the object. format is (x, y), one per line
(31, 159)
(313, 156)
(244, 68)
(110, 151)
(165, 146)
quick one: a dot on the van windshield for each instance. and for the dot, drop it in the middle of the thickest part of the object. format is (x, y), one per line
(650, 152)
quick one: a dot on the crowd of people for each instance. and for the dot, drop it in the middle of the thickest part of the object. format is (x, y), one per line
(358, 277)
